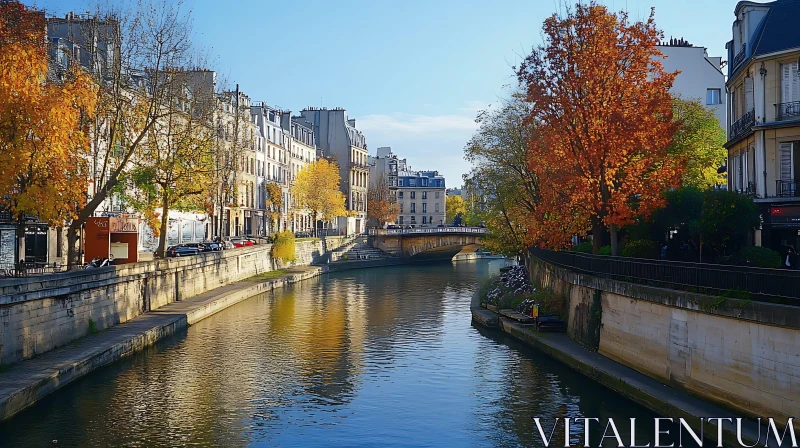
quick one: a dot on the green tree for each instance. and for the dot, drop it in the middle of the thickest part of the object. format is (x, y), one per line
(698, 140)
(728, 218)
(499, 154)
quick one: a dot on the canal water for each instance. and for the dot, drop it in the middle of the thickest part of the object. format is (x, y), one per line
(378, 357)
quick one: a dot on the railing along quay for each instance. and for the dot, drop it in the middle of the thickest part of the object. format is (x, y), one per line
(428, 230)
(760, 284)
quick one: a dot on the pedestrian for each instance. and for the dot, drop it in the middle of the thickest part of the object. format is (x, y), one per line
(790, 258)
(664, 251)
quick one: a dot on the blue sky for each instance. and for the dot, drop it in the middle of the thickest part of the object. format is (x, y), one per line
(413, 73)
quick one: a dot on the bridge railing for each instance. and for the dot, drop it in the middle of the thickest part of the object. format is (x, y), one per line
(428, 231)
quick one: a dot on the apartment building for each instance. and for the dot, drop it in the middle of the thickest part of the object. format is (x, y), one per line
(700, 78)
(275, 162)
(421, 196)
(764, 117)
(302, 151)
(340, 140)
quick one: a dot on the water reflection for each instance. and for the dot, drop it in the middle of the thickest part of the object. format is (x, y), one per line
(378, 357)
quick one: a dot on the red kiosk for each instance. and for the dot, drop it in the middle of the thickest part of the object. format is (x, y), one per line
(106, 236)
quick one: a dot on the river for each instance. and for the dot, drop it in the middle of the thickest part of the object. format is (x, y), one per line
(378, 357)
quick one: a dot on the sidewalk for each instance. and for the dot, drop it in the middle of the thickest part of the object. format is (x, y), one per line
(640, 388)
(27, 381)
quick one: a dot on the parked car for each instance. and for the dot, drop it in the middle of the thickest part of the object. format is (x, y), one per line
(205, 246)
(182, 251)
(212, 245)
(227, 244)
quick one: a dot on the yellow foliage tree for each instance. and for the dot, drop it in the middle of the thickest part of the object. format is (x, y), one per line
(274, 202)
(454, 205)
(317, 189)
(43, 135)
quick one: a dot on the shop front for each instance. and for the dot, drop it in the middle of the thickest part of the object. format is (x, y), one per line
(781, 227)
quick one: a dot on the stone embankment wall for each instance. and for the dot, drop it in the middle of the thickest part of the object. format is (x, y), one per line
(740, 354)
(40, 313)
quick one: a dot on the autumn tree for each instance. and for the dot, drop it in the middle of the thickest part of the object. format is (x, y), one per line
(699, 140)
(600, 100)
(498, 152)
(135, 46)
(43, 124)
(454, 206)
(274, 202)
(316, 188)
(381, 206)
(174, 167)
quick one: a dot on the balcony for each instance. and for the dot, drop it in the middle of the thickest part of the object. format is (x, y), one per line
(361, 166)
(786, 188)
(743, 125)
(739, 56)
(787, 111)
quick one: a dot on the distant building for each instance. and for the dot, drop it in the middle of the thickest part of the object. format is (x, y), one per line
(340, 141)
(302, 151)
(420, 194)
(700, 76)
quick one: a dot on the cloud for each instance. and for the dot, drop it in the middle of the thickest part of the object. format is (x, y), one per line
(415, 125)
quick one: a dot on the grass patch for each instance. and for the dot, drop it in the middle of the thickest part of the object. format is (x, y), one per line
(269, 275)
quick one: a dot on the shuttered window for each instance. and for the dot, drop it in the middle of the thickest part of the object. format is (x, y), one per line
(748, 94)
(790, 83)
(787, 164)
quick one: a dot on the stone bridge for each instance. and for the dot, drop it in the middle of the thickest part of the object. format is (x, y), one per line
(434, 243)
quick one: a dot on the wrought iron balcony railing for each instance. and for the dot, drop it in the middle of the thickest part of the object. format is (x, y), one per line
(787, 111)
(743, 125)
(739, 56)
(786, 188)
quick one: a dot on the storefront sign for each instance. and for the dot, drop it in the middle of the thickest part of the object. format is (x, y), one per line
(123, 225)
(785, 216)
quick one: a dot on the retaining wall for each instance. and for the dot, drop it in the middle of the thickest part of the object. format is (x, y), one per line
(40, 313)
(740, 354)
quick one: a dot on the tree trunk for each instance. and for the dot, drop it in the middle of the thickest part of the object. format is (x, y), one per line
(73, 255)
(614, 240)
(314, 214)
(598, 231)
(162, 238)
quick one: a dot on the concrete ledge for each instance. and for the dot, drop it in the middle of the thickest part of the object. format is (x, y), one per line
(28, 381)
(631, 384)
(485, 318)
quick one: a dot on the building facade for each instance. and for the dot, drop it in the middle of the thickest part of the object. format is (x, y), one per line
(764, 117)
(700, 76)
(302, 152)
(274, 163)
(340, 141)
(422, 196)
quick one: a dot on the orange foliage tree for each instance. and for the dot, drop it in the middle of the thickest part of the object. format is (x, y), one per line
(381, 206)
(601, 103)
(43, 123)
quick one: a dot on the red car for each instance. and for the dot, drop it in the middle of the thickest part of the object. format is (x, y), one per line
(241, 242)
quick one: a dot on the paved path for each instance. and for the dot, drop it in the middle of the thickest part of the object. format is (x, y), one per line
(662, 399)
(27, 381)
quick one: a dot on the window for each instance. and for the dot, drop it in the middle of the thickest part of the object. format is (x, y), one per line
(437, 197)
(413, 195)
(413, 219)
(712, 96)
(413, 207)
(424, 195)
(401, 207)
(412, 182)
(436, 207)
(424, 207)
(400, 221)
(424, 220)
(400, 195)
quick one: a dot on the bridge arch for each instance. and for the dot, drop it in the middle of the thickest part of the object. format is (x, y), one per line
(435, 243)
